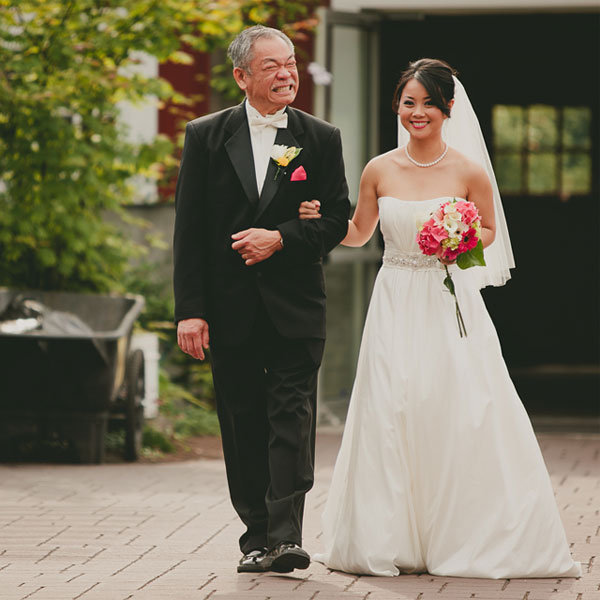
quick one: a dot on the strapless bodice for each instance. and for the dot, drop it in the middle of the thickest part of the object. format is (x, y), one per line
(399, 221)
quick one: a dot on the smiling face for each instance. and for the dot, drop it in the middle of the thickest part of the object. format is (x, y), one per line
(271, 80)
(417, 113)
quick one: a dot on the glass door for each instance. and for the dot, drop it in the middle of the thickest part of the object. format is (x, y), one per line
(347, 47)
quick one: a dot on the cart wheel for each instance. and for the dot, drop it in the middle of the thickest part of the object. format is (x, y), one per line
(134, 411)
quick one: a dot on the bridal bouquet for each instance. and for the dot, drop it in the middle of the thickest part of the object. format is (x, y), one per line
(453, 233)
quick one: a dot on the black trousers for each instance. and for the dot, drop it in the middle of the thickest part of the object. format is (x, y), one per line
(266, 388)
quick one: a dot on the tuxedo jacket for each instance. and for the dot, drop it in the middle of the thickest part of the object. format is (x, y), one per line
(217, 196)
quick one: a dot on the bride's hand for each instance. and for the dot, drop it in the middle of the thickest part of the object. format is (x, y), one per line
(310, 210)
(445, 261)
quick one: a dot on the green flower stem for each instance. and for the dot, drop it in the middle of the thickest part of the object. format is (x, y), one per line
(459, 318)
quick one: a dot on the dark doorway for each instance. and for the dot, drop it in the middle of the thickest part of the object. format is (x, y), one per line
(537, 66)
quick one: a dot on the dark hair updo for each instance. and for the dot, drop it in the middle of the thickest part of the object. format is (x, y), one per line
(435, 76)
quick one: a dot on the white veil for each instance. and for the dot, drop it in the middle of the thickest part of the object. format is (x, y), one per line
(463, 133)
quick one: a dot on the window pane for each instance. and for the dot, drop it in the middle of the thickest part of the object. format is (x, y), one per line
(543, 127)
(576, 173)
(507, 124)
(542, 173)
(509, 172)
(577, 125)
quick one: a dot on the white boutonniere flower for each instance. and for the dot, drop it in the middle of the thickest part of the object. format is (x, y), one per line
(283, 156)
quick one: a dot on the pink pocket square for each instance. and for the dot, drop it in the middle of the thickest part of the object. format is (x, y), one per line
(299, 174)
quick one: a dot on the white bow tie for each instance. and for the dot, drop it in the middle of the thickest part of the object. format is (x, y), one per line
(280, 121)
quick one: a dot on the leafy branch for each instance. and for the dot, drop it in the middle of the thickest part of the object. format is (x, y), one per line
(65, 161)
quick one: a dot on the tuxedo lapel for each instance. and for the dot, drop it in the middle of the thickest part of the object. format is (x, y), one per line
(284, 137)
(239, 149)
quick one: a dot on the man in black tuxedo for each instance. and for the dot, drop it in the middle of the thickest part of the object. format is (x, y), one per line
(248, 270)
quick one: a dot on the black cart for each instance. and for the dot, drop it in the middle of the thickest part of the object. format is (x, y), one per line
(69, 385)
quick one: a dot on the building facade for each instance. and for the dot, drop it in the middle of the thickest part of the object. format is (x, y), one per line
(532, 72)
(531, 69)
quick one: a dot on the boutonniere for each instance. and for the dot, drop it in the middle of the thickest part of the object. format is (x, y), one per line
(283, 155)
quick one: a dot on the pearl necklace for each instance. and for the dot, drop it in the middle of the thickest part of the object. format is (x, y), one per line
(429, 164)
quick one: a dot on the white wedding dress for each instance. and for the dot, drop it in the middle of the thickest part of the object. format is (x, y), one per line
(439, 469)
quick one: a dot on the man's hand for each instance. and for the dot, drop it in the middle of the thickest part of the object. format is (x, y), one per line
(256, 245)
(192, 337)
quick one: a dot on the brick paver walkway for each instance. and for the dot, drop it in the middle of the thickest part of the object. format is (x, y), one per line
(120, 532)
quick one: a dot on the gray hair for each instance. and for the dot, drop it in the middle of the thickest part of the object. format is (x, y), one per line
(241, 49)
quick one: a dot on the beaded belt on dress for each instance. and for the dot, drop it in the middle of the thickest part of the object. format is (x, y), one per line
(414, 261)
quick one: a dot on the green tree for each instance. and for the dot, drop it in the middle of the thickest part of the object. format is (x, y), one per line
(65, 162)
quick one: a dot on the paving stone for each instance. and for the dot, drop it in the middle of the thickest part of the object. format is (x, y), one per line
(154, 532)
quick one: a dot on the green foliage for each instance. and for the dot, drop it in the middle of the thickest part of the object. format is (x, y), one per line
(175, 395)
(183, 380)
(114, 441)
(156, 440)
(157, 315)
(153, 442)
(186, 389)
(195, 421)
(65, 162)
(295, 19)
(187, 414)
(472, 258)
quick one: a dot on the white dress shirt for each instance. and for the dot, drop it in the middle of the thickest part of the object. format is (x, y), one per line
(262, 138)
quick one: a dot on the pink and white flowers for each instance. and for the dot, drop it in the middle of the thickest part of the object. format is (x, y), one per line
(453, 233)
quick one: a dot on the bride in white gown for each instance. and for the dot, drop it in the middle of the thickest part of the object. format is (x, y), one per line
(439, 469)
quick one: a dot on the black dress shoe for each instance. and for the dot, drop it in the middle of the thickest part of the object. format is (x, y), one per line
(285, 557)
(254, 562)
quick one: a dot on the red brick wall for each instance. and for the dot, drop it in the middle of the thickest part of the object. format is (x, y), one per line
(305, 53)
(185, 79)
(193, 82)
